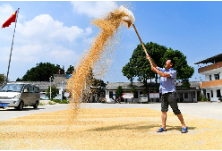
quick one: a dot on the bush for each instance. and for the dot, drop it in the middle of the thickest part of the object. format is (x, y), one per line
(41, 104)
(51, 103)
(59, 101)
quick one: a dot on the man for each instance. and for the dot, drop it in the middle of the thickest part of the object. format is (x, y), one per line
(168, 92)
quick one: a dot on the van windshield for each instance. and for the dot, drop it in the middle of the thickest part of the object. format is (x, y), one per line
(143, 95)
(12, 88)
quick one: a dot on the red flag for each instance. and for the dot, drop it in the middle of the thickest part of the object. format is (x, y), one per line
(10, 20)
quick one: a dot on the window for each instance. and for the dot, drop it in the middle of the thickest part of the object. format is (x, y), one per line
(26, 88)
(110, 94)
(210, 77)
(217, 76)
(31, 89)
(36, 90)
(194, 95)
(186, 95)
(212, 95)
(218, 93)
(136, 95)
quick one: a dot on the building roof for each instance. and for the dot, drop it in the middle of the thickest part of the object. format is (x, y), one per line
(43, 84)
(214, 59)
(139, 85)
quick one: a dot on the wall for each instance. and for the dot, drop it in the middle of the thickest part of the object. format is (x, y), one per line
(214, 98)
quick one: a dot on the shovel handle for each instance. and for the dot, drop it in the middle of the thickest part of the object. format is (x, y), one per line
(141, 43)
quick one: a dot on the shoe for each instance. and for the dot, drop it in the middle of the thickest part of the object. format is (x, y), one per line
(184, 130)
(161, 130)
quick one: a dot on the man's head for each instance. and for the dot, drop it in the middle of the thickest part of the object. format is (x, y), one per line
(169, 64)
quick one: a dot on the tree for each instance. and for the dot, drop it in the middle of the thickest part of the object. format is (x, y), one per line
(139, 66)
(119, 91)
(41, 72)
(70, 70)
(184, 71)
(54, 92)
(2, 79)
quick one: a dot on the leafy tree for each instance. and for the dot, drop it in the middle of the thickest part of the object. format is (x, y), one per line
(139, 66)
(184, 71)
(133, 90)
(119, 91)
(70, 70)
(2, 79)
(54, 92)
(41, 72)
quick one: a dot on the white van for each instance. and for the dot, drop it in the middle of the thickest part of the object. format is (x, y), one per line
(18, 95)
(143, 98)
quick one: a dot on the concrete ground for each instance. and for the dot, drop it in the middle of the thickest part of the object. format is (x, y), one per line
(201, 109)
(111, 127)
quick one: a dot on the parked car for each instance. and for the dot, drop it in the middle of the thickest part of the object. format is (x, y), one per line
(143, 98)
(18, 95)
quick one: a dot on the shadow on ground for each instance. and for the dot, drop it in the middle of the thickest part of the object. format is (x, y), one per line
(137, 127)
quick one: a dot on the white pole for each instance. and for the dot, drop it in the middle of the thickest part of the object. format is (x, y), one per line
(62, 91)
(12, 45)
(50, 87)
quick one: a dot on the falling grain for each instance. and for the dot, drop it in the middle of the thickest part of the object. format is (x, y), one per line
(93, 59)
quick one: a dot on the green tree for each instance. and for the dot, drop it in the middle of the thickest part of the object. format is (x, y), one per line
(139, 66)
(184, 71)
(70, 70)
(54, 91)
(119, 91)
(133, 90)
(2, 79)
(41, 72)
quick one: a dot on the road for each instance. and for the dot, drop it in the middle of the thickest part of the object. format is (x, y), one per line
(203, 109)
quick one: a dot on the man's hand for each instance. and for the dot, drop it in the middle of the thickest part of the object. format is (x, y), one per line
(148, 57)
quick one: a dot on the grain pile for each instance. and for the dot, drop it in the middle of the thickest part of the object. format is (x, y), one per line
(108, 129)
(104, 42)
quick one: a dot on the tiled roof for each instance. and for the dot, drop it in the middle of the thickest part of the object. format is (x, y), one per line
(138, 85)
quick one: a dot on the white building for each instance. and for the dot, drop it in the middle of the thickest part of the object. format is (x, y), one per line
(212, 86)
(183, 94)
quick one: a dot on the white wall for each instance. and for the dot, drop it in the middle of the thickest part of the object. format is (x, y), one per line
(207, 77)
(214, 98)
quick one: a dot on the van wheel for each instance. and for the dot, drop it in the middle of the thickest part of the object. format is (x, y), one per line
(21, 105)
(36, 105)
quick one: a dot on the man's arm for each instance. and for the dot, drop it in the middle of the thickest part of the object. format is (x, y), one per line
(160, 73)
(151, 61)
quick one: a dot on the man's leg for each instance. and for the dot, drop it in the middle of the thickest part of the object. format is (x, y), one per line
(164, 109)
(174, 106)
(164, 119)
(180, 117)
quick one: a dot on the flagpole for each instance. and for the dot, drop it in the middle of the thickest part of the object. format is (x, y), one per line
(12, 45)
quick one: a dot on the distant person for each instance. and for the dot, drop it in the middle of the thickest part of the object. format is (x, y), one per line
(168, 92)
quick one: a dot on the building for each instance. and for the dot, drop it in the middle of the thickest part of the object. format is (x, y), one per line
(108, 93)
(212, 86)
(183, 94)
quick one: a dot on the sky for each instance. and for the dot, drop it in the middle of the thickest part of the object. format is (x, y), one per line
(60, 32)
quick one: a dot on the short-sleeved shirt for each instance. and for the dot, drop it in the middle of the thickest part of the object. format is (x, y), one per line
(167, 84)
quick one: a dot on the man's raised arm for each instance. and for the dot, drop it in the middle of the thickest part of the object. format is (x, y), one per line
(151, 61)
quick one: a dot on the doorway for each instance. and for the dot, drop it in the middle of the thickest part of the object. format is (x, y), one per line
(208, 96)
